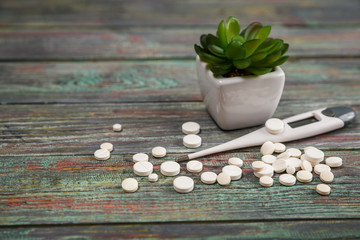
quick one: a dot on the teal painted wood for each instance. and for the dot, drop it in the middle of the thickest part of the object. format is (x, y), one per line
(328, 229)
(79, 189)
(145, 43)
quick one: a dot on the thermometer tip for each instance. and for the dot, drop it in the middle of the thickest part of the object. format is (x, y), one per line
(183, 158)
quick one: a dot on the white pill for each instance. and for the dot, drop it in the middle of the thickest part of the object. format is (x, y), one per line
(192, 141)
(139, 157)
(117, 127)
(285, 155)
(279, 165)
(102, 154)
(279, 147)
(257, 165)
(290, 170)
(194, 166)
(323, 189)
(306, 165)
(153, 177)
(319, 168)
(190, 128)
(268, 170)
(269, 159)
(236, 161)
(304, 176)
(107, 146)
(303, 158)
(287, 179)
(295, 162)
(314, 155)
(170, 168)
(274, 125)
(233, 171)
(267, 148)
(130, 185)
(223, 179)
(333, 161)
(158, 152)
(310, 147)
(266, 181)
(294, 152)
(143, 168)
(208, 177)
(183, 184)
(326, 176)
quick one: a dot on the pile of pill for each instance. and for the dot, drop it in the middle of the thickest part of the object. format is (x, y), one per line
(191, 140)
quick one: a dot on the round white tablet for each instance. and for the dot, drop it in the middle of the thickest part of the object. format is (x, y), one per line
(107, 146)
(333, 161)
(130, 185)
(290, 170)
(192, 141)
(143, 168)
(274, 125)
(279, 166)
(269, 159)
(268, 170)
(266, 181)
(306, 165)
(140, 157)
(314, 155)
(267, 148)
(295, 162)
(233, 171)
(319, 168)
(327, 176)
(287, 179)
(257, 165)
(208, 177)
(190, 128)
(102, 154)
(194, 166)
(183, 184)
(304, 176)
(285, 155)
(117, 127)
(323, 189)
(170, 168)
(236, 161)
(153, 177)
(223, 179)
(279, 148)
(158, 152)
(294, 152)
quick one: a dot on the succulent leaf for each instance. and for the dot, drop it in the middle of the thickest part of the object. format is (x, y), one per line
(212, 40)
(284, 48)
(258, 56)
(280, 61)
(239, 38)
(251, 30)
(242, 64)
(232, 28)
(263, 33)
(206, 57)
(250, 46)
(221, 33)
(235, 50)
(203, 41)
(216, 50)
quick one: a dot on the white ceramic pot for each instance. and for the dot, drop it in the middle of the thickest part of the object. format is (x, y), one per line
(240, 102)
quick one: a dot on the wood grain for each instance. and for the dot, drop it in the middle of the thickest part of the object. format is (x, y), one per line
(163, 13)
(170, 43)
(344, 229)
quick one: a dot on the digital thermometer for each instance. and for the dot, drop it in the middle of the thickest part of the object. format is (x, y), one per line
(296, 127)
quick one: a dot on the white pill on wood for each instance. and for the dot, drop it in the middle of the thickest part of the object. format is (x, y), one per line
(279, 147)
(190, 128)
(233, 171)
(267, 148)
(143, 168)
(319, 168)
(314, 155)
(139, 157)
(274, 125)
(102, 154)
(295, 162)
(183, 184)
(153, 177)
(290, 170)
(192, 141)
(107, 146)
(194, 166)
(266, 181)
(269, 159)
(304, 176)
(268, 170)
(170, 168)
(279, 165)
(287, 179)
(223, 179)
(294, 152)
(236, 161)
(323, 189)
(117, 127)
(158, 152)
(257, 165)
(326, 176)
(285, 155)
(130, 185)
(306, 165)
(333, 161)
(208, 177)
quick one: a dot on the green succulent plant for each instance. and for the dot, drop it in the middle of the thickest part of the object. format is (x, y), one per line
(250, 52)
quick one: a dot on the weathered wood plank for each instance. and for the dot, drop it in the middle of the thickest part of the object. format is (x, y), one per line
(74, 129)
(143, 81)
(254, 230)
(142, 43)
(79, 189)
(162, 12)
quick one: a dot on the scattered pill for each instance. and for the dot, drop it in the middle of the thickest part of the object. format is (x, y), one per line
(192, 141)
(274, 125)
(268, 170)
(143, 168)
(158, 152)
(314, 155)
(266, 181)
(194, 166)
(269, 159)
(323, 189)
(257, 165)
(170, 168)
(290, 170)
(333, 161)
(295, 162)
(223, 179)
(190, 128)
(267, 148)
(153, 177)
(294, 152)
(279, 166)
(102, 154)
(304, 176)
(236, 161)
(308, 148)
(117, 127)
(326, 176)
(319, 168)
(285, 155)
(130, 185)
(233, 171)
(107, 146)
(306, 165)
(183, 184)
(287, 179)
(208, 177)
(139, 157)
(279, 147)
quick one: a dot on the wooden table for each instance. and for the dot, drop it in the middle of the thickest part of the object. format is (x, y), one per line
(71, 69)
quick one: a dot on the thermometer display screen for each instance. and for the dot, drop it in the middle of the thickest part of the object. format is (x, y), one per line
(303, 122)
